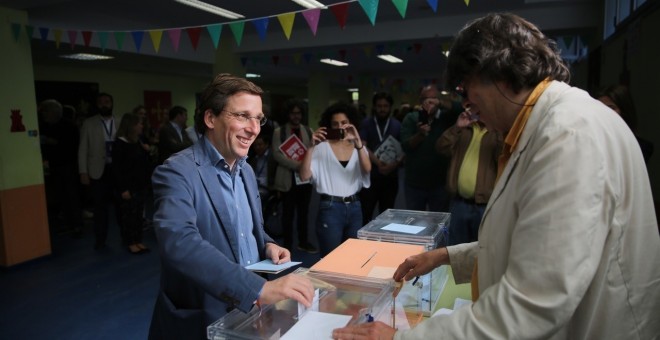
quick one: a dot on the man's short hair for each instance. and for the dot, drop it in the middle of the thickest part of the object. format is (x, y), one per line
(382, 95)
(214, 96)
(504, 47)
(177, 110)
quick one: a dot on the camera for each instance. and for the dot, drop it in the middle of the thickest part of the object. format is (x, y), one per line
(335, 134)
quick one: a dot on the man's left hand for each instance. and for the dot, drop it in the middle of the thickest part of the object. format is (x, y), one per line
(368, 331)
(277, 254)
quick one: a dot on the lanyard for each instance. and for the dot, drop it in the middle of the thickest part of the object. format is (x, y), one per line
(380, 134)
(108, 132)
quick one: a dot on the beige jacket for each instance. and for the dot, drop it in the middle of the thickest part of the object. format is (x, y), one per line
(568, 247)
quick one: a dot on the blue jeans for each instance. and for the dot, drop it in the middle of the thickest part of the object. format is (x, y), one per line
(336, 222)
(437, 199)
(465, 221)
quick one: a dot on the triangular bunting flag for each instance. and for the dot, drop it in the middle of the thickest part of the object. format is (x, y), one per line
(341, 13)
(57, 34)
(467, 2)
(401, 6)
(286, 21)
(296, 58)
(568, 41)
(342, 55)
(261, 25)
(175, 37)
(103, 39)
(119, 37)
(237, 30)
(87, 37)
(312, 17)
(214, 32)
(156, 37)
(43, 33)
(276, 59)
(380, 49)
(243, 61)
(370, 7)
(16, 30)
(417, 47)
(137, 39)
(434, 5)
(194, 33)
(30, 31)
(73, 36)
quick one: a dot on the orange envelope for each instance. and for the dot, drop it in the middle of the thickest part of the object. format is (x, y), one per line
(367, 258)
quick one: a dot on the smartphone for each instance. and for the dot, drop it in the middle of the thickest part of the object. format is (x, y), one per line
(335, 134)
(423, 117)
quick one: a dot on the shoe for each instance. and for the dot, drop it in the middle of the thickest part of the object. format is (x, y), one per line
(307, 247)
(143, 247)
(136, 250)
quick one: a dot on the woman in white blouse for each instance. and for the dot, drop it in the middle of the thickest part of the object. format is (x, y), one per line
(338, 166)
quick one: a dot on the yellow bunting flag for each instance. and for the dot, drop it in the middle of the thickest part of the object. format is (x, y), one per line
(467, 2)
(156, 37)
(57, 33)
(286, 21)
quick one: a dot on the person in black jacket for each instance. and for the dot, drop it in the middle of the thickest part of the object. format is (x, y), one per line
(131, 161)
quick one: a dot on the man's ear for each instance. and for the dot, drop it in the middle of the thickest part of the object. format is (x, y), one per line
(209, 119)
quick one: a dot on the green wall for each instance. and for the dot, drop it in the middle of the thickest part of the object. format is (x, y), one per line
(20, 154)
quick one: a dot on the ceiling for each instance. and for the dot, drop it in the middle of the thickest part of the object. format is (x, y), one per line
(419, 38)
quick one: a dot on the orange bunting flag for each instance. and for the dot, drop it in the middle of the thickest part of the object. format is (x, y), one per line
(156, 37)
(194, 33)
(341, 13)
(286, 21)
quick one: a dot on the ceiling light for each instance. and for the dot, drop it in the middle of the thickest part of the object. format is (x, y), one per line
(390, 58)
(334, 62)
(446, 53)
(309, 4)
(211, 9)
(86, 56)
(353, 89)
(252, 75)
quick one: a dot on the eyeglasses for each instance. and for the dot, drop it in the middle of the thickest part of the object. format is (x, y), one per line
(461, 90)
(244, 117)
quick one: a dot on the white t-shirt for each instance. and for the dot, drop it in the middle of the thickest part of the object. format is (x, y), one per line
(331, 178)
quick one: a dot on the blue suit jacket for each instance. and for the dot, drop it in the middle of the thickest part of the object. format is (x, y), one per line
(201, 278)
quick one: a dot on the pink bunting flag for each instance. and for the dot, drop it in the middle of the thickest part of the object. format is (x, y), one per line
(73, 36)
(175, 37)
(312, 17)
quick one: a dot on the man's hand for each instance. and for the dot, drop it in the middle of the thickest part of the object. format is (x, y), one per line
(463, 119)
(421, 264)
(386, 168)
(292, 286)
(84, 179)
(370, 330)
(277, 254)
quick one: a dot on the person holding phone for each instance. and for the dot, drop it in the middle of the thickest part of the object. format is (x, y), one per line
(338, 166)
(425, 170)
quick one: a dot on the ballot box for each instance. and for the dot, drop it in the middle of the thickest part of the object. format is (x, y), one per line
(340, 300)
(423, 228)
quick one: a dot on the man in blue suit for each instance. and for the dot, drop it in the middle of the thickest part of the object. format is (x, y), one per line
(209, 224)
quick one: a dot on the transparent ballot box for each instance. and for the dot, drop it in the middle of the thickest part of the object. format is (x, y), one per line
(351, 299)
(428, 229)
(408, 226)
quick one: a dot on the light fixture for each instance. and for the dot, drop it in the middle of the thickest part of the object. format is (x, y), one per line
(86, 56)
(353, 89)
(211, 9)
(446, 53)
(390, 58)
(334, 62)
(310, 4)
(252, 75)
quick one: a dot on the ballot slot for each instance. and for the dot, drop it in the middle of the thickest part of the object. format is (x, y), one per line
(341, 299)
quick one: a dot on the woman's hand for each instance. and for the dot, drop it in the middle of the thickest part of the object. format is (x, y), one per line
(350, 132)
(319, 135)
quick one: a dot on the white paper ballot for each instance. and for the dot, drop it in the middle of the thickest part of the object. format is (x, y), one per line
(315, 305)
(403, 228)
(267, 266)
(316, 325)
